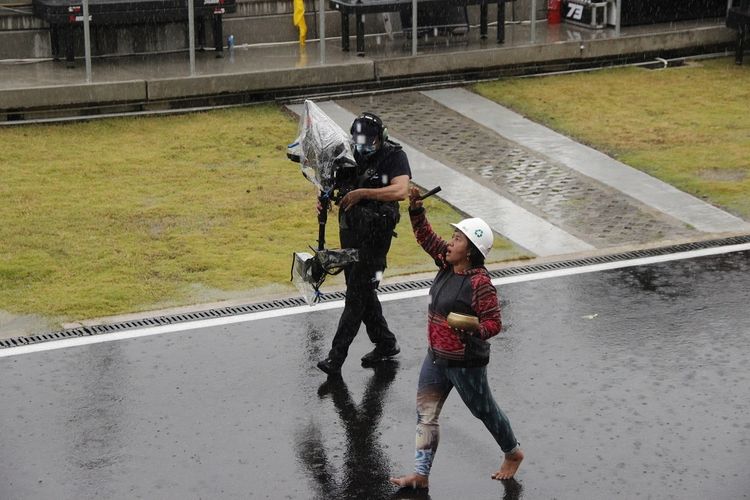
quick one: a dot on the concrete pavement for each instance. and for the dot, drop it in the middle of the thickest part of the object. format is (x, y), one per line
(629, 383)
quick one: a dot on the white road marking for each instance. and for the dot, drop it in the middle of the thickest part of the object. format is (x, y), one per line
(388, 297)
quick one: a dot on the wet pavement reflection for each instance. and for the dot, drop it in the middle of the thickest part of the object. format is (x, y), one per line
(366, 467)
(633, 383)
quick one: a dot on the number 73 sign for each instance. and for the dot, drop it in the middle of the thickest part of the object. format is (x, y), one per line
(575, 11)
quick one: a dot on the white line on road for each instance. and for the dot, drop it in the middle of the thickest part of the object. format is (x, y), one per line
(277, 313)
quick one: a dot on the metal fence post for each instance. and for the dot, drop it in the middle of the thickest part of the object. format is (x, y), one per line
(322, 30)
(618, 10)
(87, 40)
(191, 36)
(414, 27)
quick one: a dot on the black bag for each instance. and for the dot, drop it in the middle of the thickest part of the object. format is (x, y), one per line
(476, 351)
(373, 222)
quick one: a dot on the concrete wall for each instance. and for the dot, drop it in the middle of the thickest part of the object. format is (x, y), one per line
(24, 44)
(334, 74)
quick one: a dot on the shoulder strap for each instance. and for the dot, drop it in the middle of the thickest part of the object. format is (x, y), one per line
(392, 145)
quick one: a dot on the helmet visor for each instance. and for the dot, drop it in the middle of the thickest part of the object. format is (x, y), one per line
(364, 136)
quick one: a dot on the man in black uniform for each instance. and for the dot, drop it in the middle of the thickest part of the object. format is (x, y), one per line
(368, 213)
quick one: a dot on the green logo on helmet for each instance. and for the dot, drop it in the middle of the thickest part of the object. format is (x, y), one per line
(478, 233)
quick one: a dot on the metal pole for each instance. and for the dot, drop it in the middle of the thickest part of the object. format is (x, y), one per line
(87, 40)
(414, 27)
(618, 10)
(322, 30)
(533, 21)
(191, 36)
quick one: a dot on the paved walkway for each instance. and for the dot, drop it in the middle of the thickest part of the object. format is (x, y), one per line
(589, 162)
(537, 188)
(507, 218)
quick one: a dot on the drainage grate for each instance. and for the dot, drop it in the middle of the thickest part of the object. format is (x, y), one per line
(391, 288)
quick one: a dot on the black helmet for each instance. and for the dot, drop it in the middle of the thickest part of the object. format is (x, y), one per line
(365, 129)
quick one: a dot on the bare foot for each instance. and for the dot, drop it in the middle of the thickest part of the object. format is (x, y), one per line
(509, 466)
(410, 481)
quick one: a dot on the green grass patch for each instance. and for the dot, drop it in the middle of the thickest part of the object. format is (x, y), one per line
(688, 126)
(131, 214)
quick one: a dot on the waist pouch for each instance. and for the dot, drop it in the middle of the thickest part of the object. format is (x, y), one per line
(476, 354)
(372, 223)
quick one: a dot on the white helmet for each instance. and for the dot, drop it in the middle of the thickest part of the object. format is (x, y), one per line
(478, 232)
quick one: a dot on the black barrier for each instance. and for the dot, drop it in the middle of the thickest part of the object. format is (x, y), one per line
(636, 12)
(738, 18)
(65, 18)
(358, 9)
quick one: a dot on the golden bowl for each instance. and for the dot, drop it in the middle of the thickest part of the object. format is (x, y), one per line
(463, 321)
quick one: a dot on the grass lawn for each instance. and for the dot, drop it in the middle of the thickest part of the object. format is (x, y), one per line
(133, 214)
(688, 126)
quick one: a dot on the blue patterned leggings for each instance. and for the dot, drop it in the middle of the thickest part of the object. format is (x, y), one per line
(435, 383)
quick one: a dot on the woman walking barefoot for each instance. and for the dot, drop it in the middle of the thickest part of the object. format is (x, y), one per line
(458, 355)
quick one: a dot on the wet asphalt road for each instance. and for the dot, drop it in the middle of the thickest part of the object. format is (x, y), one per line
(632, 383)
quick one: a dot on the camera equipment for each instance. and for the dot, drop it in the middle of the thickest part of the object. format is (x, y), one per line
(324, 153)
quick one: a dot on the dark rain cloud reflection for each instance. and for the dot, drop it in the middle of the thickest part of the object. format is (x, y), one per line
(678, 281)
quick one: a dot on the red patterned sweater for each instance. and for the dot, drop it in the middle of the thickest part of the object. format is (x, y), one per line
(469, 292)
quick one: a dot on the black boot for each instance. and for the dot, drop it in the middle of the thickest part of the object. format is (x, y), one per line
(377, 355)
(330, 366)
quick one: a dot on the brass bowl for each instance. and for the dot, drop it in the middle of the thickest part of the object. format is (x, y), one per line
(463, 321)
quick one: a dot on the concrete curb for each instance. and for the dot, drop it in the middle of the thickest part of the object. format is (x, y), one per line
(351, 72)
(502, 56)
(66, 95)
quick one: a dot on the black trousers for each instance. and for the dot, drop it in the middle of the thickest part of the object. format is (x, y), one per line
(361, 306)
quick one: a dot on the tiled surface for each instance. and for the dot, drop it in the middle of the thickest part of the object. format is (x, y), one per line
(582, 206)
